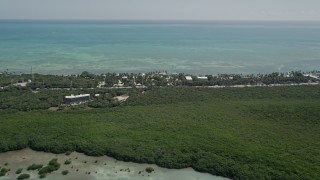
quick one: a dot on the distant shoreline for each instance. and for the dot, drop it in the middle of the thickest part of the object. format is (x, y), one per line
(155, 79)
(165, 21)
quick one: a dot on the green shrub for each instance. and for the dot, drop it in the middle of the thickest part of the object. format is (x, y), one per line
(53, 165)
(19, 171)
(23, 176)
(149, 169)
(4, 171)
(67, 162)
(42, 176)
(46, 170)
(34, 167)
(65, 172)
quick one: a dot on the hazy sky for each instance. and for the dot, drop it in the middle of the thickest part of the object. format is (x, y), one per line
(162, 9)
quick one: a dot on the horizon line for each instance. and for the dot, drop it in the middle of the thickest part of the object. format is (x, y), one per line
(159, 20)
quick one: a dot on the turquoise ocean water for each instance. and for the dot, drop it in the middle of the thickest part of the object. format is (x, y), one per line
(67, 47)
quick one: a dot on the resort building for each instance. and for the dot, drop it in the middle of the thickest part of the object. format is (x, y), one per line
(77, 98)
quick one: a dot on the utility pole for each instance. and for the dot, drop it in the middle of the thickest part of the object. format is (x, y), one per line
(32, 77)
(134, 80)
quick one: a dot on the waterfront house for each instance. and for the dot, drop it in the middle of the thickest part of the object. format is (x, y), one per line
(77, 98)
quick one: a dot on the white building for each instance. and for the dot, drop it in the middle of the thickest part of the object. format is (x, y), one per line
(188, 78)
(202, 78)
(312, 76)
(77, 98)
(120, 84)
(24, 84)
(101, 84)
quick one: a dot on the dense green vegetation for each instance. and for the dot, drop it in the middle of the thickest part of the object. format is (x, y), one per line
(249, 133)
(23, 99)
(85, 80)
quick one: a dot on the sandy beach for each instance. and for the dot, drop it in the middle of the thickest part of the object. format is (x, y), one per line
(84, 167)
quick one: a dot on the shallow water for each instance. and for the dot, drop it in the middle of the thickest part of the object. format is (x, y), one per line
(105, 168)
(63, 47)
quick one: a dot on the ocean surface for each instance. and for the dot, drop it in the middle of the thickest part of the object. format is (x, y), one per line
(69, 47)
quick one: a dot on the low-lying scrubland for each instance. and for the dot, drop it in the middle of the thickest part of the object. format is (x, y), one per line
(250, 133)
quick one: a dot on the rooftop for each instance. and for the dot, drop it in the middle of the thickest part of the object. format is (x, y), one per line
(188, 78)
(202, 77)
(77, 96)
